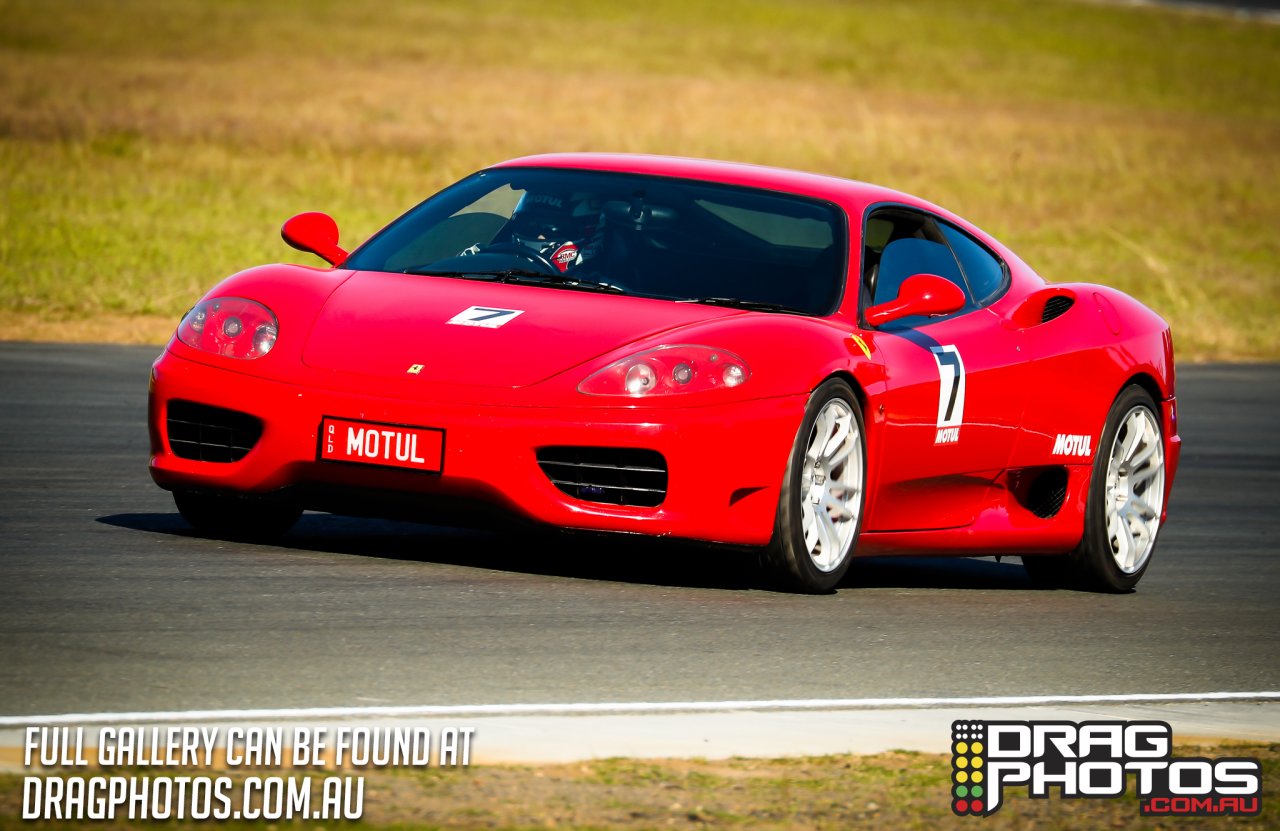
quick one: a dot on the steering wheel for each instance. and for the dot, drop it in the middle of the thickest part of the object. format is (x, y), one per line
(524, 252)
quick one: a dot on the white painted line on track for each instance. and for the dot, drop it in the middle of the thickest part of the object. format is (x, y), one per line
(637, 708)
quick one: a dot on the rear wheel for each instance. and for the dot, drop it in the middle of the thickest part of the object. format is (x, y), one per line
(820, 509)
(235, 517)
(1125, 503)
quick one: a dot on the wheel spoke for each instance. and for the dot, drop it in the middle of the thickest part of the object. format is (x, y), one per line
(853, 470)
(1122, 541)
(836, 505)
(851, 443)
(1141, 537)
(1138, 478)
(821, 429)
(830, 539)
(1132, 435)
(1113, 528)
(1141, 508)
(1134, 527)
(1148, 450)
(809, 524)
(837, 438)
(851, 501)
(1138, 428)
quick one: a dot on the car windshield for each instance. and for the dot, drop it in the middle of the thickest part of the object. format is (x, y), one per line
(648, 236)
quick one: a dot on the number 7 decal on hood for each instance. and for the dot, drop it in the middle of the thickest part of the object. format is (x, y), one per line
(950, 393)
(484, 317)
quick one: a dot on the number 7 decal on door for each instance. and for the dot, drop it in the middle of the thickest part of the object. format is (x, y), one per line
(950, 393)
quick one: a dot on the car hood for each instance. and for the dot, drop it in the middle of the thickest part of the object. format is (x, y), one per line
(476, 333)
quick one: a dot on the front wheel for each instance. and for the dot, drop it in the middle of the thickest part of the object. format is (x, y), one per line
(240, 518)
(823, 490)
(1125, 503)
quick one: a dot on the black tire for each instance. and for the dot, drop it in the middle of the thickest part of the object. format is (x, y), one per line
(789, 557)
(1093, 565)
(238, 518)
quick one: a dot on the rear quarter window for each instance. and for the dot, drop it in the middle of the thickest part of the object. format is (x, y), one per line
(983, 271)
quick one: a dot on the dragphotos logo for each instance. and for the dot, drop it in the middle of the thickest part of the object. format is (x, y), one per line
(1095, 760)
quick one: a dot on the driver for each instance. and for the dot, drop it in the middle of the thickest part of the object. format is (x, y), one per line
(565, 229)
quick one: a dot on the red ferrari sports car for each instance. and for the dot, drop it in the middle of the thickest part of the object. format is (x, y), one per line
(809, 367)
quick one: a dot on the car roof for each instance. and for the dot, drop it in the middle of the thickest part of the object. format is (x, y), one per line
(849, 191)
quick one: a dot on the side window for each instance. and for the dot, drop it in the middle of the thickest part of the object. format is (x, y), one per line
(899, 243)
(905, 257)
(984, 272)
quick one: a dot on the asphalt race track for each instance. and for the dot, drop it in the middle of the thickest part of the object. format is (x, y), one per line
(111, 604)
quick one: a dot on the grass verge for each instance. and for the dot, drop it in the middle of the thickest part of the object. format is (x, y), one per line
(895, 790)
(150, 147)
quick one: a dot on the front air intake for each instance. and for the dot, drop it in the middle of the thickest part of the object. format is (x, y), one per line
(609, 475)
(210, 434)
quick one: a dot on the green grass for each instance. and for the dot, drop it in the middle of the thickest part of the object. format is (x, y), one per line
(150, 147)
(891, 791)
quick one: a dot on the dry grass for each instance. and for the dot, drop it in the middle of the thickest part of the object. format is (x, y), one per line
(147, 149)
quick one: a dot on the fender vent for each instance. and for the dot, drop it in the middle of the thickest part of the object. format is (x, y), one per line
(610, 475)
(1056, 306)
(210, 434)
(1047, 492)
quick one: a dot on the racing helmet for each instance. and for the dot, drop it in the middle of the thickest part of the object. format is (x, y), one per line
(564, 228)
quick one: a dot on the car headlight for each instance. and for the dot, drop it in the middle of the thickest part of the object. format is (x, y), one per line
(230, 326)
(668, 370)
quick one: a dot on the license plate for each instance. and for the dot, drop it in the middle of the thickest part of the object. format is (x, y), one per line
(385, 445)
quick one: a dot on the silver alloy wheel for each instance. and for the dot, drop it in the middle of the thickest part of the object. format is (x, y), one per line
(1134, 497)
(831, 485)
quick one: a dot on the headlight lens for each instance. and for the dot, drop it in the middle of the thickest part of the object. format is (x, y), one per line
(667, 370)
(230, 326)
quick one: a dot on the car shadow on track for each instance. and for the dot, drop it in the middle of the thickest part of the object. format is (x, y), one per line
(623, 559)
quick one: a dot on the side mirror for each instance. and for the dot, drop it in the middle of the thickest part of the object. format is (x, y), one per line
(920, 294)
(315, 233)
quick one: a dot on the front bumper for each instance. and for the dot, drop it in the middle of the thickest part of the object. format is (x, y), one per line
(725, 463)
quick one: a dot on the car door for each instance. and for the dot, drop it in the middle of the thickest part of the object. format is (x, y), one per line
(950, 411)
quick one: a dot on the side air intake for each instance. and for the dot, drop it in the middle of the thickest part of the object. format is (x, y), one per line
(1040, 307)
(1056, 306)
(1043, 491)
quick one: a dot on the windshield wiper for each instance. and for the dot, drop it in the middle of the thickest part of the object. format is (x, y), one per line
(493, 276)
(739, 303)
(521, 276)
